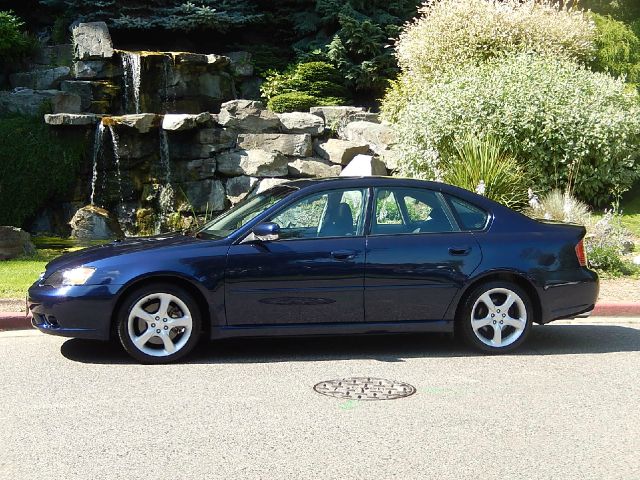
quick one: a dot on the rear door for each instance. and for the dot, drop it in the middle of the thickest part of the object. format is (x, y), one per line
(418, 258)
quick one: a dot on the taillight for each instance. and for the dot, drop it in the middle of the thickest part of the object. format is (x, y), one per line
(581, 254)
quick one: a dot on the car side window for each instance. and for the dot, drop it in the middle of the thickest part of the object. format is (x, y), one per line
(470, 217)
(413, 210)
(335, 213)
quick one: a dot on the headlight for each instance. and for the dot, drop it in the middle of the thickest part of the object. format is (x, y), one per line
(73, 276)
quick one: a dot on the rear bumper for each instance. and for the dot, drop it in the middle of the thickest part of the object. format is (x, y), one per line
(80, 312)
(570, 299)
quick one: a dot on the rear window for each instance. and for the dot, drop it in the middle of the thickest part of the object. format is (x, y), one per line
(469, 216)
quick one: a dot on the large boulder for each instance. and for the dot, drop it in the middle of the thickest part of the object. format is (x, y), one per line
(198, 169)
(267, 183)
(33, 102)
(296, 145)
(219, 137)
(340, 151)
(92, 41)
(93, 93)
(248, 116)
(301, 122)
(335, 117)
(96, 70)
(46, 79)
(378, 136)
(364, 166)
(239, 187)
(313, 167)
(255, 163)
(179, 122)
(241, 64)
(94, 223)
(14, 242)
(142, 122)
(61, 54)
(205, 195)
(71, 119)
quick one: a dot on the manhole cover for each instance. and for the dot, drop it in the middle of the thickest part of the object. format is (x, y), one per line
(365, 388)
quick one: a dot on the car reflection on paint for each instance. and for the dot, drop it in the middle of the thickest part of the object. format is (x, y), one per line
(331, 256)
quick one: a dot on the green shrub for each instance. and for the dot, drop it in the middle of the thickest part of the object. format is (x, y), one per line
(451, 32)
(618, 49)
(299, 102)
(560, 206)
(14, 42)
(303, 86)
(572, 126)
(36, 164)
(483, 165)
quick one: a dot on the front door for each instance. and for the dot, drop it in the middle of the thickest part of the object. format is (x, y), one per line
(314, 271)
(417, 257)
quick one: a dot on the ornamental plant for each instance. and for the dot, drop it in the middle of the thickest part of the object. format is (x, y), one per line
(569, 124)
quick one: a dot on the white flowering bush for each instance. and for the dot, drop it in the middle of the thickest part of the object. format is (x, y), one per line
(570, 125)
(450, 32)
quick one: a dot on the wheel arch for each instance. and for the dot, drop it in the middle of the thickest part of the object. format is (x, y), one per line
(505, 276)
(172, 278)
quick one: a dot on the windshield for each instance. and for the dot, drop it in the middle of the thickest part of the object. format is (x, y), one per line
(238, 216)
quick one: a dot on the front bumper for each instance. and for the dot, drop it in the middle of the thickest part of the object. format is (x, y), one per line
(80, 311)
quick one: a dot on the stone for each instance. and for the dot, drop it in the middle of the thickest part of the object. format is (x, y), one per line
(218, 61)
(248, 116)
(255, 163)
(313, 167)
(92, 41)
(301, 122)
(91, 92)
(334, 117)
(210, 85)
(267, 183)
(34, 102)
(296, 145)
(250, 87)
(364, 166)
(238, 188)
(390, 158)
(54, 55)
(70, 119)
(340, 151)
(378, 136)
(221, 138)
(241, 64)
(94, 223)
(179, 122)
(191, 151)
(191, 58)
(96, 70)
(205, 195)
(14, 242)
(142, 122)
(198, 169)
(46, 79)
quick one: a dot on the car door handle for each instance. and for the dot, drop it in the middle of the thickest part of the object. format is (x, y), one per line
(459, 250)
(343, 254)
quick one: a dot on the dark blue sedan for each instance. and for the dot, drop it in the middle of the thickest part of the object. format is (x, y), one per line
(334, 256)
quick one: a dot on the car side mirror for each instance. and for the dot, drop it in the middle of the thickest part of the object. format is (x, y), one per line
(266, 231)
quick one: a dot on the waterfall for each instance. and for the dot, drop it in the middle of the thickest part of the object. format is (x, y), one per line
(168, 96)
(97, 150)
(116, 156)
(132, 67)
(167, 195)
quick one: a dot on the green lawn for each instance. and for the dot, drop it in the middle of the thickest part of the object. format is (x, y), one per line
(17, 275)
(630, 206)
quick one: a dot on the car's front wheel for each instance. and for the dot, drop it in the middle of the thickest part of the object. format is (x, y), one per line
(159, 323)
(495, 317)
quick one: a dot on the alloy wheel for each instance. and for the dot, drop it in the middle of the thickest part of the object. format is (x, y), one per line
(498, 317)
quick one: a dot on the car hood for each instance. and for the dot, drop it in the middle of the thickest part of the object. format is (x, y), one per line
(119, 247)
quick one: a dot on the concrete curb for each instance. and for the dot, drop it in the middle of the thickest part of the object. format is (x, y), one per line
(19, 321)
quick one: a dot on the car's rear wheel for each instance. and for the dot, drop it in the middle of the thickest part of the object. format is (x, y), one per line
(159, 323)
(495, 317)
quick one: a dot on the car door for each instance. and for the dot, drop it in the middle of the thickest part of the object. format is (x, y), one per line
(417, 256)
(314, 271)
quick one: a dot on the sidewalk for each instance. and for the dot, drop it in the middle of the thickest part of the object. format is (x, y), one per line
(19, 321)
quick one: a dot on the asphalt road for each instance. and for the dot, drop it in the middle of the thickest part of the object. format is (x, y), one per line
(567, 406)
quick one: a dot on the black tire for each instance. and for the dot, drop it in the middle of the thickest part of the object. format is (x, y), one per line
(163, 331)
(512, 333)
